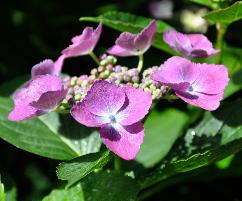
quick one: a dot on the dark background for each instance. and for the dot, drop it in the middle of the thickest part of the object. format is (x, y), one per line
(32, 30)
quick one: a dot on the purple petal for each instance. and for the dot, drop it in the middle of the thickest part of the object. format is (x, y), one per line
(84, 43)
(136, 106)
(198, 84)
(176, 70)
(43, 68)
(104, 98)
(34, 88)
(23, 112)
(212, 79)
(189, 45)
(144, 39)
(129, 44)
(58, 65)
(49, 100)
(202, 47)
(119, 51)
(178, 41)
(126, 41)
(124, 141)
(205, 101)
(80, 113)
(36, 96)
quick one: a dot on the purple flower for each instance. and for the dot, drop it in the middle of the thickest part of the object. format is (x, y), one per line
(47, 66)
(129, 44)
(84, 43)
(118, 112)
(201, 85)
(189, 45)
(37, 96)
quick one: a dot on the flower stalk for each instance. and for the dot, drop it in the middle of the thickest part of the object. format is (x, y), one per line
(141, 62)
(221, 30)
(95, 58)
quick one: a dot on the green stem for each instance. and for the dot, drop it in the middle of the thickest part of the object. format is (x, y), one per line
(117, 163)
(221, 30)
(95, 58)
(141, 62)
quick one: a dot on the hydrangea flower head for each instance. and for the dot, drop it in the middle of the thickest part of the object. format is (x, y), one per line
(118, 112)
(47, 66)
(37, 97)
(129, 44)
(84, 43)
(201, 85)
(189, 45)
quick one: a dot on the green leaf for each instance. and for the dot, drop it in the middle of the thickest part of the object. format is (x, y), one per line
(101, 186)
(160, 135)
(217, 136)
(232, 58)
(78, 168)
(9, 186)
(225, 163)
(207, 3)
(51, 135)
(226, 15)
(125, 22)
(72, 194)
(2, 194)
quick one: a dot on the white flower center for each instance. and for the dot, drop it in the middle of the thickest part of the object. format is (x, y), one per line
(190, 89)
(112, 119)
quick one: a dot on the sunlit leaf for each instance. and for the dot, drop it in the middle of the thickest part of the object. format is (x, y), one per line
(2, 194)
(52, 135)
(78, 168)
(101, 186)
(217, 136)
(160, 135)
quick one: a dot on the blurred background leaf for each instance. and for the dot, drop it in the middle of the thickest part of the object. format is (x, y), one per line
(226, 15)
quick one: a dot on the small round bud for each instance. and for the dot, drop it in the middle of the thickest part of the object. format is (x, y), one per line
(78, 97)
(94, 71)
(100, 68)
(73, 81)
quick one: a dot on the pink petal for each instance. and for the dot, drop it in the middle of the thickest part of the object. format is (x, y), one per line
(144, 39)
(84, 43)
(202, 47)
(178, 41)
(58, 65)
(80, 113)
(43, 68)
(189, 45)
(205, 101)
(34, 88)
(176, 70)
(49, 100)
(119, 51)
(129, 44)
(212, 79)
(126, 41)
(23, 112)
(104, 98)
(124, 141)
(136, 106)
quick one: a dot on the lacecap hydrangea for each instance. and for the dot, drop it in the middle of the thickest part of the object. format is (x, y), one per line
(116, 98)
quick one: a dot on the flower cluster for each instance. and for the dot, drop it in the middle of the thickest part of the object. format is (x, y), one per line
(115, 98)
